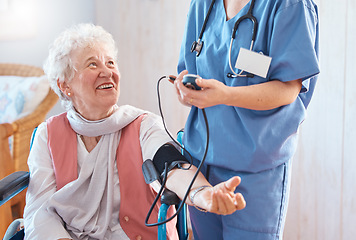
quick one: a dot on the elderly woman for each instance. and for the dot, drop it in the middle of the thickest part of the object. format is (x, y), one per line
(85, 164)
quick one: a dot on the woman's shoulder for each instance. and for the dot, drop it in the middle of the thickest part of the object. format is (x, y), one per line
(131, 110)
(41, 129)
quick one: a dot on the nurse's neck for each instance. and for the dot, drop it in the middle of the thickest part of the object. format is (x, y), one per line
(233, 7)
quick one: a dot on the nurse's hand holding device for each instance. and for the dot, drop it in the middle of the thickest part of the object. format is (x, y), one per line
(189, 81)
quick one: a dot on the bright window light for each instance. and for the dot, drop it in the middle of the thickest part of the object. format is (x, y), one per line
(17, 19)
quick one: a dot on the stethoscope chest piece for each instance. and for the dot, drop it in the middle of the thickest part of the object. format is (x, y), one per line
(197, 46)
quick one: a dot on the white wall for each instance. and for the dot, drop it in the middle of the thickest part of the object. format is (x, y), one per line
(323, 198)
(148, 33)
(52, 17)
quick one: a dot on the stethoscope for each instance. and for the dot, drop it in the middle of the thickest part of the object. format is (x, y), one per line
(198, 45)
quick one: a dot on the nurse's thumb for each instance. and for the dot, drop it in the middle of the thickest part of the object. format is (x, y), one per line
(203, 83)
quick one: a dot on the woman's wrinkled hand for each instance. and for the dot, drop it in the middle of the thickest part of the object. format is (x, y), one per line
(220, 199)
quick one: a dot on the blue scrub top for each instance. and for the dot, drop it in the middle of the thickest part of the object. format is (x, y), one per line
(243, 139)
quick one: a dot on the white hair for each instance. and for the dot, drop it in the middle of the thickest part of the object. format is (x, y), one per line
(59, 65)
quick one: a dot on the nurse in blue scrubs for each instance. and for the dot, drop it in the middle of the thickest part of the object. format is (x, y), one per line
(253, 120)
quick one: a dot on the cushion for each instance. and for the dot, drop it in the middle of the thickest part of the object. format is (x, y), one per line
(20, 96)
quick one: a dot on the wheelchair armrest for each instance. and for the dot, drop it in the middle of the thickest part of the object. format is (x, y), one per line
(11, 185)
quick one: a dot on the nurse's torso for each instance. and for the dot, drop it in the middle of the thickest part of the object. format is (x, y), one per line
(240, 139)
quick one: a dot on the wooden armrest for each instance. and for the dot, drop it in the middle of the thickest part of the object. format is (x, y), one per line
(6, 166)
(6, 130)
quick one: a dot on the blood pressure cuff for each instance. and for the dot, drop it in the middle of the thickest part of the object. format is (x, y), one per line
(154, 169)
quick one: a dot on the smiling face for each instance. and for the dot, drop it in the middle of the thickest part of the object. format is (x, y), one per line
(94, 89)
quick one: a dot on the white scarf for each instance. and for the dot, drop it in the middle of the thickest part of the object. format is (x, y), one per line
(120, 118)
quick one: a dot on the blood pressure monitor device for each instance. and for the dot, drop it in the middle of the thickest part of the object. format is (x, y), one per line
(189, 81)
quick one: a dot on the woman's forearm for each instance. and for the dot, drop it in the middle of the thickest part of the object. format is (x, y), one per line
(219, 199)
(178, 181)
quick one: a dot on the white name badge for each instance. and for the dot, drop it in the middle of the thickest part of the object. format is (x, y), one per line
(253, 62)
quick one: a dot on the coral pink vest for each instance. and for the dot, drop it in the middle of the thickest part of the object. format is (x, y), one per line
(136, 195)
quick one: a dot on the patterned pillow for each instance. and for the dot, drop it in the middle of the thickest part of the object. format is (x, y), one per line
(20, 96)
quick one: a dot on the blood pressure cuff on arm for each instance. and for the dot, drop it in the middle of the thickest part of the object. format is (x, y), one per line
(154, 169)
(168, 153)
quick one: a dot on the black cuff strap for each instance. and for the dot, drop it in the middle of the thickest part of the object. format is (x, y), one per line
(154, 170)
(168, 153)
(173, 165)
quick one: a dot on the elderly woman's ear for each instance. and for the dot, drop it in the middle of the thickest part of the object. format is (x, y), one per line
(64, 87)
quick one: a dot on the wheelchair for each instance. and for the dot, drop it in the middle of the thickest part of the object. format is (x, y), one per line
(16, 182)
(13, 184)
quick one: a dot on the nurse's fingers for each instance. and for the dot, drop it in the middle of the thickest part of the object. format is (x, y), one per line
(176, 83)
(186, 95)
(178, 80)
(181, 74)
(207, 83)
(180, 89)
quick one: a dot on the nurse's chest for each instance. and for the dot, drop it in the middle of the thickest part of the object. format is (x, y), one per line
(233, 7)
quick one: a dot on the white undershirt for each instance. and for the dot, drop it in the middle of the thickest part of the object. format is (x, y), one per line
(116, 230)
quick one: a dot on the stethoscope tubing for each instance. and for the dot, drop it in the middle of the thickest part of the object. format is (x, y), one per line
(235, 75)
(254, 21)
(205, 22)
(198, 45)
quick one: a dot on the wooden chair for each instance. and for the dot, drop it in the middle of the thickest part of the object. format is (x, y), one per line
(20, 130)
